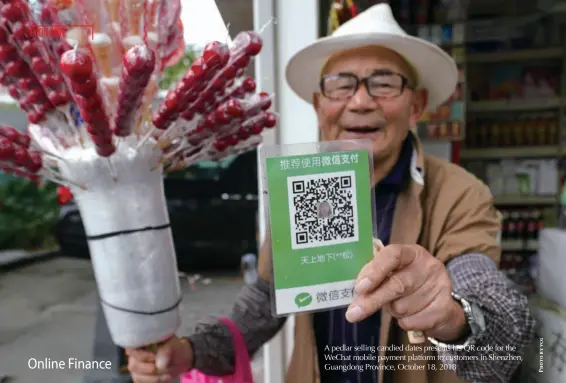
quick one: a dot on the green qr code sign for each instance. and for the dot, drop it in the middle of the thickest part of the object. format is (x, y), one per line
(321, 227)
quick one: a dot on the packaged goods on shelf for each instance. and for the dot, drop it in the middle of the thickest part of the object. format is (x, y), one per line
(521, 228)
(520, 82)
(525, 130)
(519, 244)
(533, 177)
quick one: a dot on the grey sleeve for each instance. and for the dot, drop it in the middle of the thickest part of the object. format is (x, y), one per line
(212, 342)
(509, 323)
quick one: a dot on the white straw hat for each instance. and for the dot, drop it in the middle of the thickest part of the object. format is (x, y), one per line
(435, 69)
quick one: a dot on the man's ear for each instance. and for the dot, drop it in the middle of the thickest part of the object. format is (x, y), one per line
(419, 105)
(316, 101)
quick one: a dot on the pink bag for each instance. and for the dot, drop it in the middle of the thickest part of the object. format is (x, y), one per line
(242, 365)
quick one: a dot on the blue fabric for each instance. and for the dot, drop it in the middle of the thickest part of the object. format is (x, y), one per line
(331, 327)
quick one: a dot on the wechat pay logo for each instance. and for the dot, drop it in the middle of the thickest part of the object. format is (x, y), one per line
(303, 300)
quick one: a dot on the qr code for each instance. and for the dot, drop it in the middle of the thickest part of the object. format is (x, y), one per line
(323, 209)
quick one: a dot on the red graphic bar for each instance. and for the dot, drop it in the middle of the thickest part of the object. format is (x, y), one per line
(56, 30)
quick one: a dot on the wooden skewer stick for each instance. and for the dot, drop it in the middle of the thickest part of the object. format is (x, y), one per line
(415, 337)
(181, 147)
(162, 161)
(70, 127)
(147, 136)
(112, 170)
(50, 154)
(138, 126)
(164, 141)
(58, 178)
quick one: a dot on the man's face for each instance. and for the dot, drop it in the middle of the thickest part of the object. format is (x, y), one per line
(384, 120)
(325, 210)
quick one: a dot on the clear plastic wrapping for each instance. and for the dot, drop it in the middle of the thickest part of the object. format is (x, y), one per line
(87, 91)
(321, 214)
(130, 242)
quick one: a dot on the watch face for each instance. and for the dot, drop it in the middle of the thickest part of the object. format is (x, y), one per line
(477, 318)
(474, 315)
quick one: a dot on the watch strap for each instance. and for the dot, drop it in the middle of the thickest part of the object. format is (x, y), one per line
(472, 323)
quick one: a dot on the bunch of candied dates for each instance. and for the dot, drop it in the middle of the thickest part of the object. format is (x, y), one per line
(86, 74)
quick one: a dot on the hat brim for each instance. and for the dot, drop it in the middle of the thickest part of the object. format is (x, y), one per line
(436, 70)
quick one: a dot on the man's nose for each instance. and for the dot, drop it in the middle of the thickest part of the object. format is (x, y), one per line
(362, 101)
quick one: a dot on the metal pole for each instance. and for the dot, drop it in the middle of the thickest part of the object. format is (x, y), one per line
(265, 71)
(295, 25)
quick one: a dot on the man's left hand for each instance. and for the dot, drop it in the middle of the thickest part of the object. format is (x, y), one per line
(414, 287)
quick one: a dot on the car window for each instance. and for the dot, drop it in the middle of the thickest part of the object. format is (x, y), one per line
(204, 170)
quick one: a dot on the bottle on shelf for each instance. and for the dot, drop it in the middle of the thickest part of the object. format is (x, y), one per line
(531, 238)
(533, 270)
(504, 264)
(540, 223)
(520, 230)
(514, 227)
(511, 267)
(521, 225)
(504, 226)
(562, 213)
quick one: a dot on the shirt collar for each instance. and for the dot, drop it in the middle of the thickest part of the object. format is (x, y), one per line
(399, 172)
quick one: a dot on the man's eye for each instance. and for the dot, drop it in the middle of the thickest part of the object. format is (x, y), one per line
(380, 84)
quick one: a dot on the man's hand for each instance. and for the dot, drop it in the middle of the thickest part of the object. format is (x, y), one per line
(416, 289)
(173, 358)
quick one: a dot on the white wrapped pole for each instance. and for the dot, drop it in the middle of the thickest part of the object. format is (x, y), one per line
(130, 241)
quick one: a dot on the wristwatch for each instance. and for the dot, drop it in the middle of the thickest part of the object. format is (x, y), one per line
(475, 320)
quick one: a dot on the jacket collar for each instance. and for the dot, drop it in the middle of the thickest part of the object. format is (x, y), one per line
(417, 160)
(411, 160)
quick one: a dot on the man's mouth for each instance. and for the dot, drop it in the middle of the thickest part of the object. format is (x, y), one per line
(363, 129)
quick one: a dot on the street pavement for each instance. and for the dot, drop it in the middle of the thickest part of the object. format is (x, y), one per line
(48, 310)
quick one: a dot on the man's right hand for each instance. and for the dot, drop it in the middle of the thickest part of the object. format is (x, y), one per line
(173, 358)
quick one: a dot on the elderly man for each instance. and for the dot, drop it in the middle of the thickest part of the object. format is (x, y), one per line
(438, 271)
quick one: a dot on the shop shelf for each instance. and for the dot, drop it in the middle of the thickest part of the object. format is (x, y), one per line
(515, 105)
(525, 200)
(519, 245)
(517, 55)
(518, 152)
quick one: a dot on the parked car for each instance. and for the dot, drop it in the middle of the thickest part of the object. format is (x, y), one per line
(212, 209)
